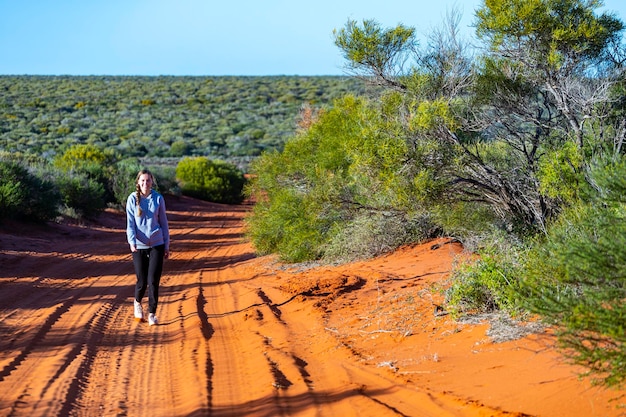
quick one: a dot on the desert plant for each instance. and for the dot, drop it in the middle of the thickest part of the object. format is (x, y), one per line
(84, 195)
(575, 279)
(482, 286)
(123, 179)
(24, 195)
(90, 161)
(488, 282)
(372, 234)
(347, 164)
(209, 180)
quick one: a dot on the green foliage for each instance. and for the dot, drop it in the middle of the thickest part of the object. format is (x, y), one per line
(561, 173)
(371, 47)
(91, 162)
(576, 281)
(576, 277)
(546, 80)
(12, 190)
(286, 225)
(180, 148)
(226, 118)
(610, 179)
(555, 29)
(25, 196)
(430, 113)
(82, 158)
(215, 181)
(123, 179)
(488, 283)
(464, 220)
(84, 195)
(345, 173)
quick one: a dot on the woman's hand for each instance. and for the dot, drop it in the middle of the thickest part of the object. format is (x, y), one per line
(133, 248)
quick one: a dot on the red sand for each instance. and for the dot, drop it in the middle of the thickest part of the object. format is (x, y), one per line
(246, 336)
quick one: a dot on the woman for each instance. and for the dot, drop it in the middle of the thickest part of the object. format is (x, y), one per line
(148, 235)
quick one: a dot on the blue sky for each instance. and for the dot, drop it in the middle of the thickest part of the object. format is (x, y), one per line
(200, 37)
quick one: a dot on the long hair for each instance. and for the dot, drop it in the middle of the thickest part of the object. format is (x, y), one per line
(138, 190)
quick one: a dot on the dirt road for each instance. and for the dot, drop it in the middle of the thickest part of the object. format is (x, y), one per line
(245, 336)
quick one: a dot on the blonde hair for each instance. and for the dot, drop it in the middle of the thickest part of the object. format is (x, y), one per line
(138, 190)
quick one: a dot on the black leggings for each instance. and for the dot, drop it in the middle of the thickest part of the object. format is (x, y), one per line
(148, 268)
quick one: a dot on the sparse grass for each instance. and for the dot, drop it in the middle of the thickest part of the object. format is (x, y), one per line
(503, 328)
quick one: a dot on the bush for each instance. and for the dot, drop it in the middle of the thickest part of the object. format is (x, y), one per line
(180, 148)
(576, 281)
(370, 235)
(215, 181)
(12, 189)
(92, 162)
(288, 227)
(576, 278)
(484, 285)
(25, 196)
(344, 174)
(123, 179)
(84, 195)
(488, 282)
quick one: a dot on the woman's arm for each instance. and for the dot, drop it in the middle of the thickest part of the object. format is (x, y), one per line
(131, 225)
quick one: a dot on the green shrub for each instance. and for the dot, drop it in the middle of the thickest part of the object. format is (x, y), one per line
(576, 281)
(209, 180)
(84, 195)
(92, 162)
(560, 174)
(84, 158)
(25, 196)
(576, 277)
(489, 282)
(123, 179)
(13, 191)
(288, 226)
(180, 148)
(346, 173)
(482, 286)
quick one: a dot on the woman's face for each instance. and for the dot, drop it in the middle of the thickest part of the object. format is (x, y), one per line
(145, 183)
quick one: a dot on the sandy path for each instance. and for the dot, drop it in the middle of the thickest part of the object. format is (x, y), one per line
(243, 336)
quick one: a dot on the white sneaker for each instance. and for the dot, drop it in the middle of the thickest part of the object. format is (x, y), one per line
(138, 311)
(152, 319)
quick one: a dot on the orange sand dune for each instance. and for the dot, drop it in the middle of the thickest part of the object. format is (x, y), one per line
(247, 336)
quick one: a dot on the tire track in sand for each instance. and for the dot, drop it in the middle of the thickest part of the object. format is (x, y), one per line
(230, 342)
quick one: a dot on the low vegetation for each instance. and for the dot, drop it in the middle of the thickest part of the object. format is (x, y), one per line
(85, 179)
(229, 118)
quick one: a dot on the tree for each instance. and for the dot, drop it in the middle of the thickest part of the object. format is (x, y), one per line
(375, 53)
(561, 49)
(545, 80)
